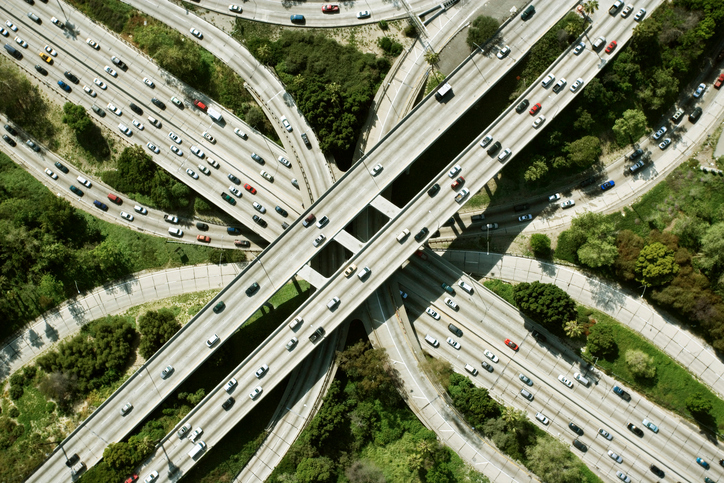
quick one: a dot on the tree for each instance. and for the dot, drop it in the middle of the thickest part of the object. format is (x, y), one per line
(585, 151)
(364, 471)
(597, 253)
(120, 456)
(591, 237)
(156, 328)
(76, 117)
(640, 364)
(314, 470)
(552, 461)
(573, 329)
(600, 340)
(584, 122)
(545, 303)
(537, 169)
(589, 8)
(513, 417)
(698, 405)
(440, 473)
(432, 57)
(474, 403)
(629, 128)
(482, 29)
(254, 117)
(540, 244)
(656, 265)
(661, 89)
(712, 249)
(60, 387)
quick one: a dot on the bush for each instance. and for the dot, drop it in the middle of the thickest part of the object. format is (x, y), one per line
(540, 244)
(383, 24)
(389, 46)
(14, 412)
(640, 364)
(16, 392)
(410, 30)
(600, 341)
(698, 405)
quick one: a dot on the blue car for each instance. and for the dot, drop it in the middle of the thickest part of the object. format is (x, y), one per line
(608, 185)
(703, 463)
(64, 86)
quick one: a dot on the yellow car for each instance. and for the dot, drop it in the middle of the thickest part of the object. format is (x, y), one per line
(46, 57)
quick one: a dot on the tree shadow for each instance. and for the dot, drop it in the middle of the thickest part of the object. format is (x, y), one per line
(94, 143)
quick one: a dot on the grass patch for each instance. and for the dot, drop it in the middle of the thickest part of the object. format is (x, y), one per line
(502, 289)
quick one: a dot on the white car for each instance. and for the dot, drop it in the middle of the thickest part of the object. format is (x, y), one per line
(660, 132)
(148, 82)
(490, 356)
(285, 161)
(540, 417)
(199, 153)
(285, 123)
(259, 207)
(3, 32)
(615, 457)
(240, 133)
(627, 11)
(235, 191)
(153, 148)
(266, 176)
(127, 216)
(92, 43)
(115, 110)
(194, 436)
(567, 203)
(505, 154)
(432, 313)
(547, 81)
(175, 137)
(451, 303)
(554, 197)
(621, 475)
(21, 42)
(527, 217)
(605, 434)
(640, 15)
(376, 170)
(192, 173)
(230, 385)
(204, 170)
(503, 52)
(363, 14)
(176, 150)
(579, 48)
(261, 371)
(235, 8)
(462, 195)
(126, 408)
(51, 51)
(665, 143)
(51, 174)
(209, 137)
(455, 344)
(100, 83)
(700, 90)
(110, 71)
(196, 33)
(454, 171)
(89, 91)
(577, 85)
(138, 125)
(255, 393)
(539, 121)
(11, 26)
(141, 209)
(152, 476)
(317, 241)
(486, 140)
(565, 381)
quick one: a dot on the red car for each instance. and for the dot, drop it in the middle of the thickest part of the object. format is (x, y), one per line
(250, 188)
(611, 47)
(203, 238)
(200, 105)
(457, 183)
(421, 254)
(131, 479)
(330, 8)
(534, 109)
(511, 344)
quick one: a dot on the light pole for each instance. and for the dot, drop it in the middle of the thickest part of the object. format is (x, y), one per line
(487, 236)
(76, 287)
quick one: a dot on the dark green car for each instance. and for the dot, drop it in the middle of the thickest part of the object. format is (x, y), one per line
(219, 307)
(228, 198)
(76, 190)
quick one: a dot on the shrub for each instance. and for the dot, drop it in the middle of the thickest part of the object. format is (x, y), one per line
(383, 24)
(16, 392)
(640, 364)
(389, 46)
(156, 328)
(540, 244)
(482, 29)
(600, 341)
(14, 412)
(410, 30)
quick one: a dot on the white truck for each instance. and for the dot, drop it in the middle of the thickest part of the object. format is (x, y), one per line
(198, 448)
(442, 91)
(215, 115)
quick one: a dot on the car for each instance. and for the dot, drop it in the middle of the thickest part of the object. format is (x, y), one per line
(576, 85)
(230, 385)
(621, 393)
(267, 176)
(64, 86)
(627, 11)
(564, 380)
(503, 52)
(623, 477)
(4, 32)
(699, 90)
(540, 417)
(158, 103)
(286, 124)
(504, 155)
(239, 133)
(511, 344)
(540, 120)
(228, 198)
(420, 235)
(126, 408)
(71, 77)
(695, 114)
(61, 167)
(284, 161)
(650, 425)
(9, 140)
(235, 191)
(462, 195)
(455, 344)
(127, 216)
(213, 163)
(228, 403)
(657, 471)
(199, 153)
(560, 85)
(153, 148)
(89, 91)
(635, 430)
(610, 47)
(573, 427)
(76, 190)
(455, 330)
(100, 83)
(235, 8)
(432, 313)
(403, 294)
(257, 158)
(433, 190)
(702, 463)
(547, 81)
(233, 179)
(149, 82)
(487, 139)
(204, 227)
(177, 150)
(209, 137)
(92, 43)
(177, 101)
(608, 185)
(252, 289)
(640, 164)
(490, 356)
(11, 26)
(376, 170)
(259, 207)
(319, 240)
(36, 148)
(491, 226)
(203, 238)
(638, 152)
(261, 371)
(110, 71)
(554, 197)
(250, 188)
(454, 171)
(660, 132)
(605, 434)
(363, 14)
(196, 33)
(204, 170)
(665, 143)
(422, 255)
(141, 209)
(41, 69)
(640, 15)
(330, 8)
(292, 343)
(615, 457)
(115, 110)
(168, 370)
(51, 174)
(580, 445)
(51, 50)
(173, 136)
(525, 379)
(11, 129)
(579, 48)
(137, 124)
(567, 203)
(708, 480)
(21, 42)
(486, 366)
(519, 108)
(152, 476)
(525, 217)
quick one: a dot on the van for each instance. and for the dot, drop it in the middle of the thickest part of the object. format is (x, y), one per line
(295, 323)
(527, 13)
(117, 200)
(578, 377)
(442, 91)
(401, 237)
(332, 304)
(198, 448)
(175, 231)
(100, 205)
(84, 181)
(471, 369)
(124, 129)
(34, 18)
(598, 43)
(466, 287)
(431, 340)
(526, 394)
(11, 50)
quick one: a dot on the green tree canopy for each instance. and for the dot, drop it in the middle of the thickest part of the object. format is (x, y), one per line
(545, 303)
(600, 340)
(473, 402)
(76, 117)
(315, 470)
(540, 244)
(553, 462)
(585, 151)
(482, 29)
(156, 328)
(712, 249)
(629, 128)
(698, 405)
(655, 265)
(640, 364)
(592, 238)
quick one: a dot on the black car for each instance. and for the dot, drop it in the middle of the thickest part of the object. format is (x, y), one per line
(158, 103)
(98, 110)
(449, 222)
(635, 154)
(695, 115)
(317, 334)
(219, 307)
(228, 403)
(228, 198)
(521, 207)
(202, 226)
(71, 77)
(259, 221)
(76, 190)
(422, 233)
(61, 167)
(580, 445)
(10, 129)
(657, 471)
(234, 179)
(136, 109)
(587, 182)
(494, 148)
(253, 288)
(281, 211)
(538, 336)
(452, 328)
(575, 429)
(9, 140)
(41, 69)
(635, 430)
(306, 140)
(74, 458)
(522, 106)
(119, 62)
(433, 190)
(486, 366)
